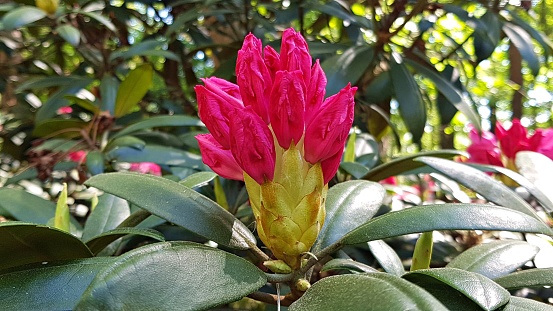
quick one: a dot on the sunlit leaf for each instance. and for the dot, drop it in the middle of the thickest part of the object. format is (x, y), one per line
(133, 89)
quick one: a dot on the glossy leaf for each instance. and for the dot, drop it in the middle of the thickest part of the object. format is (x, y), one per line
(22, 16)
(347, 264)
(445, 217)
(177, 204)
(24, 243)
(133, 89)
(101, 241)
(480, 182)
(481, 290)
(107, 215)
(159, 121)
(198, 179)
(449, 92)
(56, 286)
(24, 206)
(108, 89)
(525, 304)
(527, 278)
(531, 183)
(126, 141)
(386, 257)
(69, 34)
(356, 292)
(68, 128)
(95, 162)
(161, 274)
(523, 43)
(496, 258)
(348, 205)
(538, 169)
(407, 93)
(156, 154)
(406, 163)
(354, 169)
(347, 67)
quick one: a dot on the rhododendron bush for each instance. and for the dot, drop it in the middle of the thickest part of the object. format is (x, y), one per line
(264, 190)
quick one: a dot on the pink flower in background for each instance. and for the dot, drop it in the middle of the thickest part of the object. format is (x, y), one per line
(486, 149)
(64, 110)
(146, 168)
(77, 156)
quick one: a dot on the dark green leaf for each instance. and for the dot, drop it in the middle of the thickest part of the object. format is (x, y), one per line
(347, 67)
(380, 89)
(406, 163)
(486, 34)
(22, 16)
(480, 182)
(68, 128)
(348, 205)
(52, 81)
(69, 34)
(144, 48)
(159, 121)
(56, 286)
(445, 217)
(172, 276)
(58, 100)
(108, 89)
(524, 304)
(496, 258)
(449, 92)
(527, 278)
(523, 43)
(481, 290)
(354, 169)
(156, 154)
(101, 241)
(538, 169)
(198, 179)
(347, 264)
(23, 243)
(95, 162)
(408, 96)
(372, 291)
(177, 204)
(386, 257)
(101, 19)
(84, 103)
(107, 215)
(126, 141)
(133, 89)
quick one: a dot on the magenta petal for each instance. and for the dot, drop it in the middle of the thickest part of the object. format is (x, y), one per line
(330, 166)
(272, 60)
(146, 168)
(513, 140)
(315, 91)
(218, 159)
(252, 145)
(214, 109)
(545, 143)
(217, 85)
(253, 77)
(286, 108)
(294, 54)
(328, 130)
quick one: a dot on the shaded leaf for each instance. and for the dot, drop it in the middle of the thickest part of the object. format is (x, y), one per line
(68, 128)
(354, 169)
(445, 217)
(101, 241)
(156, 154)
(101, 19)
(527, 278)
(347, 67)
(524, 304)
(159, 121)
(386, 257)
(177, 204)
(161, 275)
(95, 162)
(496, 258)
(407, 93)
(57, 286)
(84, 103)
(480, 182)
(69, 34)
(107, 215)
(108, 89)
(350, 292)
(347, 264)
(481, 290)
(125, 141)
(24, 243)
(348, 205)
(523, 43)
(22, 16)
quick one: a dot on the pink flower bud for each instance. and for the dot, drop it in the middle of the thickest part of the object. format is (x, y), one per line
(64, 110)
(214, 106)
(287, 106)
(315, 91)
(253, 77)
(77, 156)
(330, 165)
(328, 130)
(215, 84)
(294, 54)
(542, 142)
(483, 148)
(220, 160)
(272, 60)
(252, 144)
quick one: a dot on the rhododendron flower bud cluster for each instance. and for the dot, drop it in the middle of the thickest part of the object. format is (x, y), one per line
(275, 130)
(501, 149)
